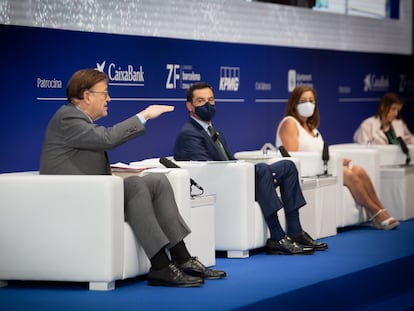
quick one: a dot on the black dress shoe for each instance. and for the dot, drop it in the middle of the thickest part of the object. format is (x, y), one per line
(306, 240)
(172, 276)
(286, 246)
(194, 267)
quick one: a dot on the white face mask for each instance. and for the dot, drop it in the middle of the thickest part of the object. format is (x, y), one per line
(306, 109)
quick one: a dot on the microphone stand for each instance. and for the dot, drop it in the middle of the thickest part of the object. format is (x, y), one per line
(170, 164)
(405, 150)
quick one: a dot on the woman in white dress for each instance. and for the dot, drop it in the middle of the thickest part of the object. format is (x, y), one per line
(298, 131)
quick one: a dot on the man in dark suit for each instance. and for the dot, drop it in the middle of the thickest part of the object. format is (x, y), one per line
(199, 141)
(74, 144)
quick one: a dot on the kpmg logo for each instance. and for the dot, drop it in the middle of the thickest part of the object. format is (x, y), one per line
(376, 83)
(229, 78)
(182, 76)
(295, 79)
(122, 75)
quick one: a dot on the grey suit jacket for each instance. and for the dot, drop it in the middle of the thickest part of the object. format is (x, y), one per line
(74, 145)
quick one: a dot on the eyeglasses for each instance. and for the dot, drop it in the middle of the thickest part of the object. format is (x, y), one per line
(200, 100)
(105, 94)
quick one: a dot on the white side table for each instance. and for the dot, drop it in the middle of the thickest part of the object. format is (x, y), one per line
(318, 217)
(397, 190)
(326, 202)
(202, 229)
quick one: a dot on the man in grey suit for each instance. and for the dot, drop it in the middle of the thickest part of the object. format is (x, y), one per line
(74, 144)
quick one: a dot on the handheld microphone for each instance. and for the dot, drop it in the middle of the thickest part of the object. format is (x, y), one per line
(284, 152)
(170, 164)
(405, 150)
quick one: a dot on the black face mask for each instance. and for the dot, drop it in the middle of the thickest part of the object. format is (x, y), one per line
(205, 112)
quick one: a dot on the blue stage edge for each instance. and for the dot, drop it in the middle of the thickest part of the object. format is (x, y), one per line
(363, 269)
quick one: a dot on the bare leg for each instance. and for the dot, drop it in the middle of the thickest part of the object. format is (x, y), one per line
(367, 183)
(363, 192)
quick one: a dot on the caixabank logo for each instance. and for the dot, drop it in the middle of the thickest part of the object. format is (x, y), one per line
(376, 83)
(181, 76)
(122, 75)
(229, 78)
(295, 78)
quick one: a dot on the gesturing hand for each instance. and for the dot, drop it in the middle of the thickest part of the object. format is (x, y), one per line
(154, 111)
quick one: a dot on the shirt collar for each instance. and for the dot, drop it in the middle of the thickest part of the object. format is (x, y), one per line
(77, 107)
(203, 124)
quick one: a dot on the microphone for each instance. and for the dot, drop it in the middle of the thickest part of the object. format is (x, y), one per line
(170, 164)
(284, 152)
(325, 159)
(405, 150)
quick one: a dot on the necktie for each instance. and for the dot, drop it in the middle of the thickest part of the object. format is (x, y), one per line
(214, 135)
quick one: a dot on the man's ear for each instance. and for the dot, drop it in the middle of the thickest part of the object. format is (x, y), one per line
(190, 107)
(86, 96)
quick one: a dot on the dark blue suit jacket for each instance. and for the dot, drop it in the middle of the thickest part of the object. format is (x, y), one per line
(193, 143)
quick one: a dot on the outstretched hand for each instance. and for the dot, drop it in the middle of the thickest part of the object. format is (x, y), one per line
(154, 111)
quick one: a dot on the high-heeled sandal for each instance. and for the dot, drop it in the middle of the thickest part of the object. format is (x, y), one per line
(387, 224)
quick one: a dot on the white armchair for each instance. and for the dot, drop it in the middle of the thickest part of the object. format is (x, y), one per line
(239, 223)
(72, 228)
(318, 217)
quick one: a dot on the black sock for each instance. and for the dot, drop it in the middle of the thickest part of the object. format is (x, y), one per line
(160, 260)
(276, 231)
(179, 253)
(294, 227)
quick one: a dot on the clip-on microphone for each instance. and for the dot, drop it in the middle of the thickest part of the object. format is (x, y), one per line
(325, 158)
(215, 136)
(170, 164)
(284, 152)
(405, 150)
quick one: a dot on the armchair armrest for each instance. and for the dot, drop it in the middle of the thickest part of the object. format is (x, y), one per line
(392, 154)
(271, 156)
(368, 158)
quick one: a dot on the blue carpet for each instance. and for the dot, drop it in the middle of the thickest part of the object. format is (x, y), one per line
(364, 269)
